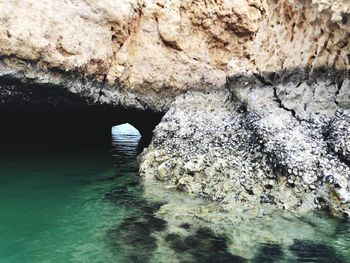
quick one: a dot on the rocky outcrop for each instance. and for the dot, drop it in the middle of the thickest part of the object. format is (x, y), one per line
(299, 34)
(266, 119)
(277, 135)
(246, 148)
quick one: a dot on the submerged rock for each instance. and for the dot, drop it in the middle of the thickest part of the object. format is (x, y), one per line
(203, 246)
(307, 251)
(242, 234)
(269, 253)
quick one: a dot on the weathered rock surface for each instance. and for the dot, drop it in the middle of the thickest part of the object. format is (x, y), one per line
(247, 148)
(147, 47)
(300, 34)
(148, 51)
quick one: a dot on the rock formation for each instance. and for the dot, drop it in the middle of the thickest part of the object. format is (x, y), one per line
(266, 119)
(150, 51)
(154, 49)
(279, 136)
(243, 148)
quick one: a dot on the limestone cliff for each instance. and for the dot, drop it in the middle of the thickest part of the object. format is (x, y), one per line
(279, 135)
(157, 48)
(147, 52)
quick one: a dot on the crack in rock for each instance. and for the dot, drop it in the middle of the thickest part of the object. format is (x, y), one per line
(244, 148)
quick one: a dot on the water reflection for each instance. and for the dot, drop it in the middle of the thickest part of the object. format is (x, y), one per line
(132, 240)
(125, 140)
(91, 207)
(162, 225)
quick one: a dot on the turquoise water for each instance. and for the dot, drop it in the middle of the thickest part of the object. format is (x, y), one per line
(53, 205)
(91, 206)
(52, 210)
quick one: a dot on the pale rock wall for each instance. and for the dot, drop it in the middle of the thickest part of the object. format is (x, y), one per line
(66, 34)
(141, 44)
(167, 47)
(298, 34)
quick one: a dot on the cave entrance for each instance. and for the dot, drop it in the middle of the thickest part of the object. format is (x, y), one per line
(126, 129)
(125, 139)
(125, 133)
(37, 115)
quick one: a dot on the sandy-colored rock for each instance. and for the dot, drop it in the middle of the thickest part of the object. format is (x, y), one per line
(142, 44)
(161, 46)
(303, 34)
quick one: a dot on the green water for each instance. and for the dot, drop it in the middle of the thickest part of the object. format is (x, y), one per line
(91, 206)
(53, 208)
(53, 205)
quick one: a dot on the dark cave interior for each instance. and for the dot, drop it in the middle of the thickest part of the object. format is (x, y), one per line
(34, 115)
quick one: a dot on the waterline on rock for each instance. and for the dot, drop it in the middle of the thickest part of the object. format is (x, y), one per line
(93, 207)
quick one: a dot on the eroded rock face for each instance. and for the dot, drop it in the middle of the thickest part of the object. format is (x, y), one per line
(147, 52)
(299, 34)
(246, 148)
(148, 47)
